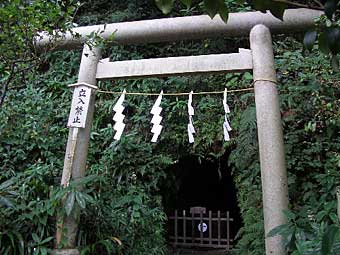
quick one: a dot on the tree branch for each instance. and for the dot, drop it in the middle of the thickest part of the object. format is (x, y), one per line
(299, 5)
(319, 3)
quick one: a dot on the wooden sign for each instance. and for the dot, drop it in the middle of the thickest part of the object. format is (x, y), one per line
(80, 104)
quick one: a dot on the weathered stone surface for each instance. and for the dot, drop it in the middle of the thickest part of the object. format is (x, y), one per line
(66, 252)
(270, 136)
(191, 65)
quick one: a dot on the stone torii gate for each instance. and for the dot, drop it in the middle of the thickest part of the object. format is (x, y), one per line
(259, 59)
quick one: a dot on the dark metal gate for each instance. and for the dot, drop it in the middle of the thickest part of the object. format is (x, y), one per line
(200, 229)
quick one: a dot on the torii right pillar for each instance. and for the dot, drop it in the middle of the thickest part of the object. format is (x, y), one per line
(270, 137)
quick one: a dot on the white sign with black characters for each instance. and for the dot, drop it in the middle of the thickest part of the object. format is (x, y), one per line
(80, 105)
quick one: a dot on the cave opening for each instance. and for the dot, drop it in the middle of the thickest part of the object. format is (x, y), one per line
(201, 184)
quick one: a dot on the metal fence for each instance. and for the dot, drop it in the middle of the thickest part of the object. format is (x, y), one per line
(200, 229)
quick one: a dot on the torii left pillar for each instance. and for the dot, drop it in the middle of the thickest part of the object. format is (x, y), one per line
(76, 155)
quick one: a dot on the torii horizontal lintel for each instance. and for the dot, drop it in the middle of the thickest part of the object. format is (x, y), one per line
(183, 28)
(162, 67)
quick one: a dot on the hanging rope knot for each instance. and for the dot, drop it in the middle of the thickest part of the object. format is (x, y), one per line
(270, 80)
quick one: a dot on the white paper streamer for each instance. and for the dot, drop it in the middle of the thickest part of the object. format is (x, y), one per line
(226, 125)
(118, 117)
(156, 118)
(191, 112)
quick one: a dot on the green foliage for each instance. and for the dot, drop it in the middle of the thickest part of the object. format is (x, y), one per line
(6, 193)
(309, 39)
(303, 237)
(275, 7)
(21, 22)
(244, 159)
(221, 7)
(331, 7)
(328, 31)
(26, 227)
(32, 142)
(165, 5)
(214, 7)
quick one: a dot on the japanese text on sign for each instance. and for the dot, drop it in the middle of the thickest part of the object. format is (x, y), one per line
(80, 103)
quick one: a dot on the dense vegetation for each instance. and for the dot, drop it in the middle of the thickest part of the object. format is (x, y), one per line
(123, 208)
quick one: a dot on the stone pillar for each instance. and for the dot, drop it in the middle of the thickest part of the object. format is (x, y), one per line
(76, 154)
(270, 137)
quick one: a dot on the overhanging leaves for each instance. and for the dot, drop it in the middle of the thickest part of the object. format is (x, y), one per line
(335, 63)
(5, 202)
(276, 8)
(69, 203)
(214, 7)
(331, 7)
(187, 3)
(224, 12)
(309, 39)
(80, 200)
(277, 230)
(165, 5)
(323, 43)
(333, 39)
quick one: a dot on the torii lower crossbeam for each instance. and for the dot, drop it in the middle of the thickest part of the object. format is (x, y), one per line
(161, 67)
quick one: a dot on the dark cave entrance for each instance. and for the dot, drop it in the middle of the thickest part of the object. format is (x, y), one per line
(203, 183)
